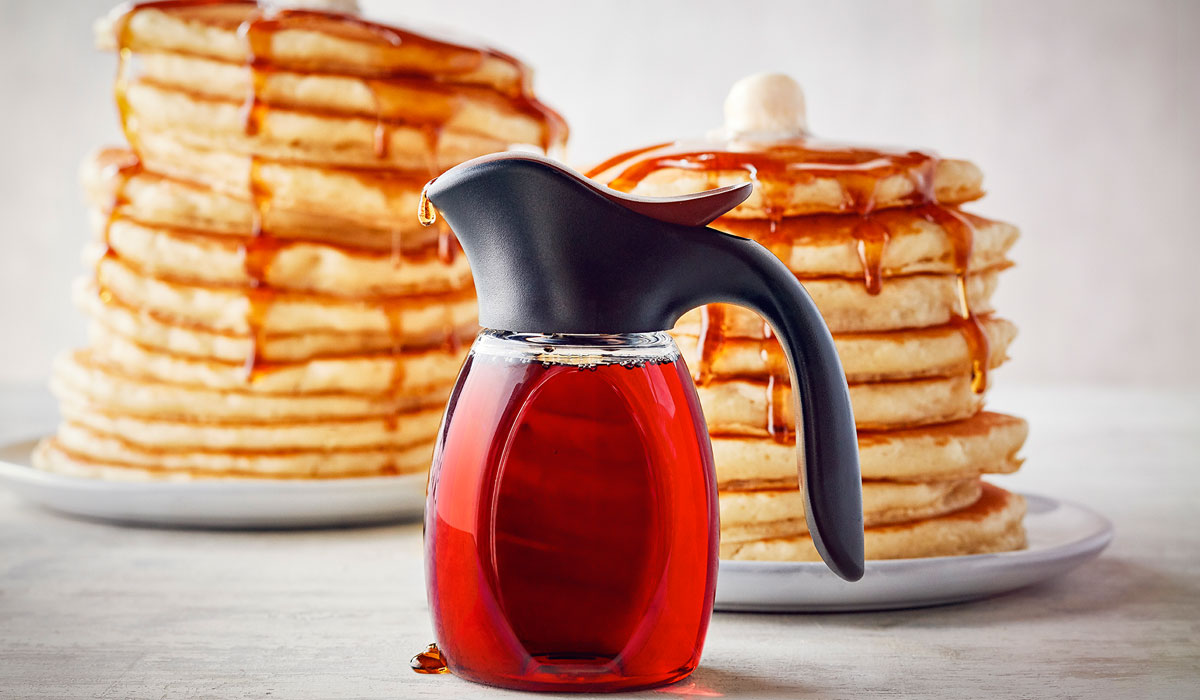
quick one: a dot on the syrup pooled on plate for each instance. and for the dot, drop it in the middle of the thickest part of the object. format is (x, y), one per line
(575, 504)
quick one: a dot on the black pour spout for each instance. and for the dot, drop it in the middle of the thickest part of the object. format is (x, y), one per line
(554, 252)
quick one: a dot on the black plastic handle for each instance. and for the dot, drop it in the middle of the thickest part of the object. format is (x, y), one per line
(742, 272)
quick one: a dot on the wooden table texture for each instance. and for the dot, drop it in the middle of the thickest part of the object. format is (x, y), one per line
(90, 610)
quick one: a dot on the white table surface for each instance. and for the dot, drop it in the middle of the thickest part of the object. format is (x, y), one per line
(91, 610)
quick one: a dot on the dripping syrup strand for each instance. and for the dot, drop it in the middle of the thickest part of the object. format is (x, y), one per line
(258, 253)
(961, 234)
(708, 343)
(122, 172)
(429, 661)
(778, 381)
(871, 239)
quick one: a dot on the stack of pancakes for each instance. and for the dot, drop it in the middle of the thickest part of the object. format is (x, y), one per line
(264, 302)
(904, 279)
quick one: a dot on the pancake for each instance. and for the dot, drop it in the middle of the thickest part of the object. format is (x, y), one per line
(152, 199)
(985, 443)
(372, 198)
(112, 459)
(828, 244)
(314, 42)
(460, 108)
(299, 266)
(227, 308)
(747, 516)
(740, 407)
(80, 379)
(916, 301)
(303, 137)
(404, 373)
(866, 357)
(992, 524)
(157, 333)
(803, 185)
(401, 430)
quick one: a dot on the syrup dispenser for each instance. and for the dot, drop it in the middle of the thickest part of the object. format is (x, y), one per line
(571, 527)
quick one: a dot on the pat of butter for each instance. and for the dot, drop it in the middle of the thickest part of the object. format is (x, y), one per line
(766, 106)
(345, 7)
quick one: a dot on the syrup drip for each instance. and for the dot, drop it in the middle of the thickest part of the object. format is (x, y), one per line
(709, 342)
(121, 81)
(122, 172)
(383, 131)
(426, 212)
(429, 661)
(616, 160)
(872, 238)
(394, 310)
(258, 252)
(961, 233)
(778, 381)
(447, 244)
(257, 33)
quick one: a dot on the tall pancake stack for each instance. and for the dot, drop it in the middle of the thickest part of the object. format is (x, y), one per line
(903, 277)
(264, 301)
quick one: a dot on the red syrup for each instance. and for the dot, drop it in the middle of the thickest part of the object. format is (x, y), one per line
(571, 528)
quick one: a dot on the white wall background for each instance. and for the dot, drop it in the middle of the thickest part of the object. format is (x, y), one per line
(1083, 114)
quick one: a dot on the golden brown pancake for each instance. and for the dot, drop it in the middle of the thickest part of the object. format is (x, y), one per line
(937, 351)
(747, 516)
(199, 432)
(824, 191)
(992, 524)
(152, 199)
(747, 407)
(316, 42)
(405, 373)
(296, 266)
(985, 443)
(830, 244)
(110, 458)
(460, 108)
(227, 308)
(917, 301)
(375, 199)
(302, 137)
(80, 378)
(157, 332)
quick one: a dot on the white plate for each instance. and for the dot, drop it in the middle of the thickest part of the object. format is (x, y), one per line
(1061, 537)
(240, 503)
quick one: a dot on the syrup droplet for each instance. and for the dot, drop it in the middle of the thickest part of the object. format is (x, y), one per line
(426, 212)
(429, 661)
